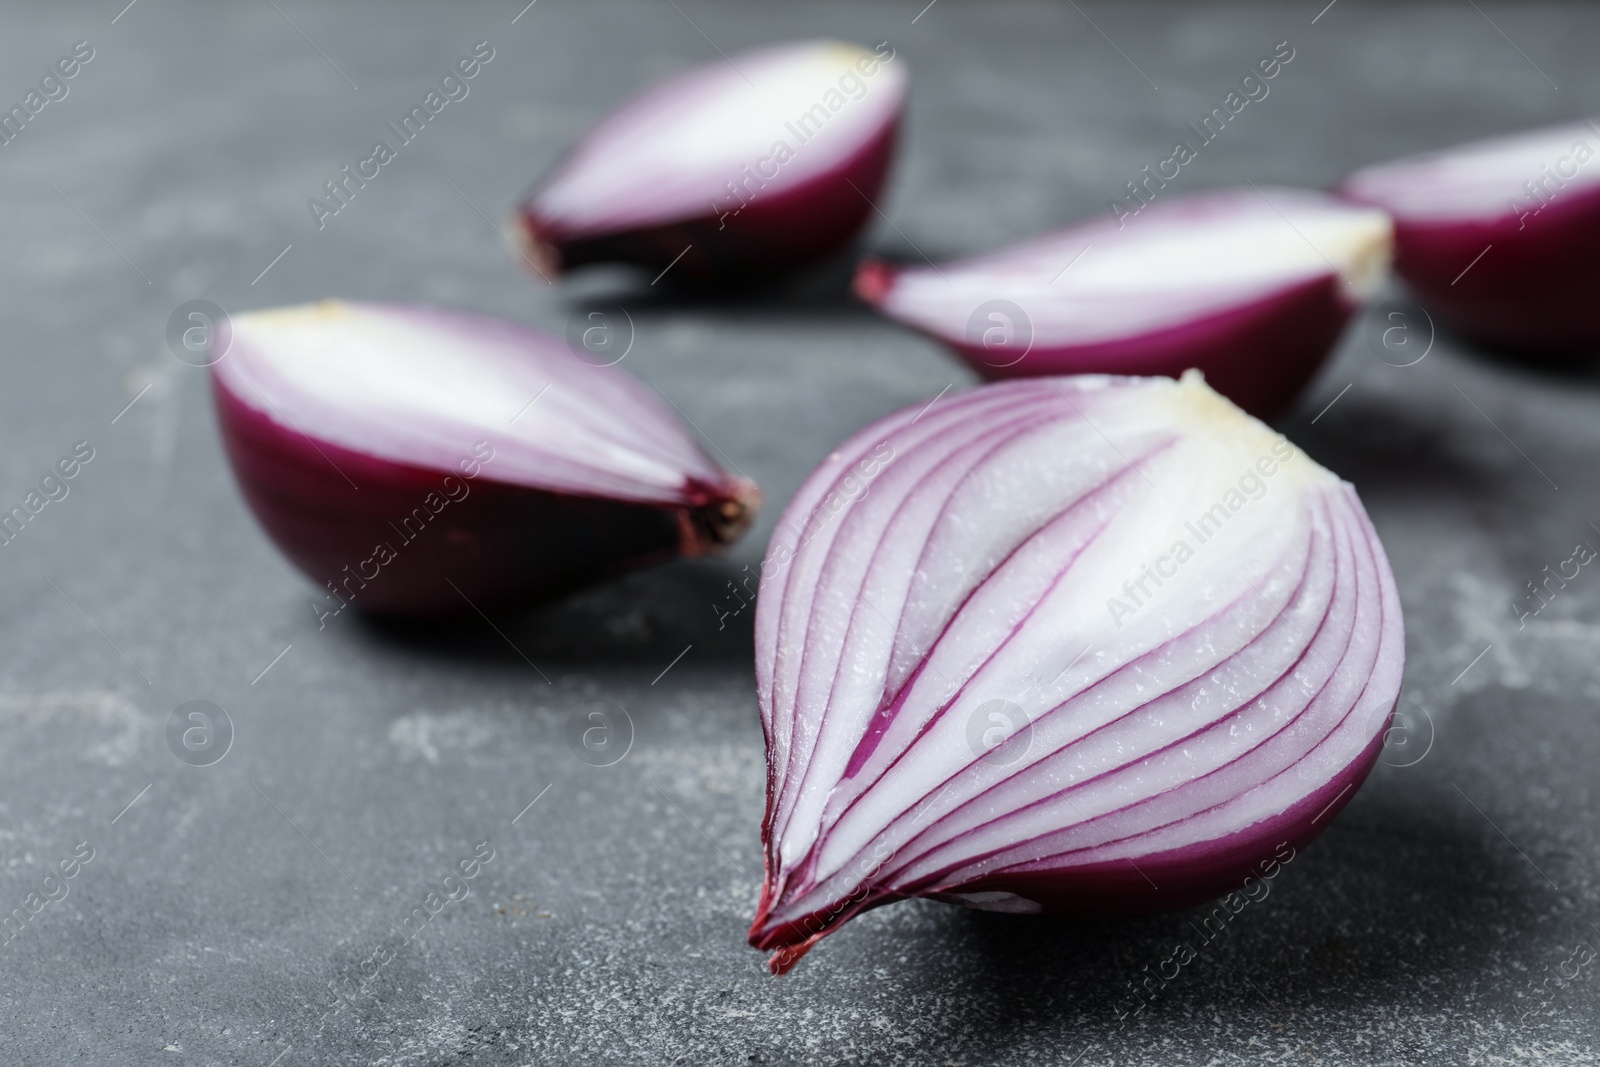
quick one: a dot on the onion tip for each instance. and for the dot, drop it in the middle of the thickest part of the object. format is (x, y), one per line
(711, 528)
(541, 255)
(872, 281)
(784, 959)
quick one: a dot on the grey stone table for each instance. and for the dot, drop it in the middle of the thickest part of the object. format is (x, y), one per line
(227, 914)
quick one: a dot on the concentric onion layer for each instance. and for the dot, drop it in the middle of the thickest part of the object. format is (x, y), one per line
(1071, 644)
(415, 460)
(1501, 237)
(1250, 286)
(748, 166)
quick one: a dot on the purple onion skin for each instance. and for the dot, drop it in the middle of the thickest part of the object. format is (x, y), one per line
(1532, 293)
(502, 545)
(774, 235)
(1259, 356)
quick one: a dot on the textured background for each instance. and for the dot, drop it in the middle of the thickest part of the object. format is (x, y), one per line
(1428, 925)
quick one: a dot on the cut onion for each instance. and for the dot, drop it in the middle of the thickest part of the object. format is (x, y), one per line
(1089, 645)
(1252, 287)
(745, 167)
(414, 460)
(1501, 237)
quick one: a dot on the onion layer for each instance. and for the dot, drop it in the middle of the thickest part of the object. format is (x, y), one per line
(742, 168)
(414, 460)
(1086, 645)
(1252, 287)
(1501, 237)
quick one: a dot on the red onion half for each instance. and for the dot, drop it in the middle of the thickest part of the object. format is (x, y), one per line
(745, 167)
(414, 460)
(1087, 645)
(1253, 287)
(1502, 237)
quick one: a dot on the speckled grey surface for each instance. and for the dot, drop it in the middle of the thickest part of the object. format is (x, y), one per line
(1431, 923)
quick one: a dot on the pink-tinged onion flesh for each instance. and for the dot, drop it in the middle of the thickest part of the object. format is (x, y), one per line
(1252, 287)
(963, 700)
(414, 460)
(743, 168)
(1501, 237)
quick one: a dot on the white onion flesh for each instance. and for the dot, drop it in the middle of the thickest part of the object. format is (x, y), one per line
(1484, 180)
(711, 123)
(1182, 260)
(421, 385)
